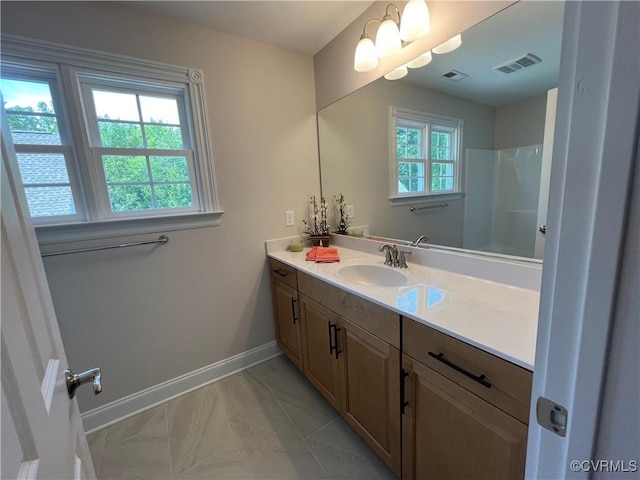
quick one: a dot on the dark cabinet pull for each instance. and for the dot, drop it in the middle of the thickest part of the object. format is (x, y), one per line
(282, 273)
(333, 339)
(403, 399)
(293, 310)
(480, 379)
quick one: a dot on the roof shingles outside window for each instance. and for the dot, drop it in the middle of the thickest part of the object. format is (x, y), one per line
(43, 169)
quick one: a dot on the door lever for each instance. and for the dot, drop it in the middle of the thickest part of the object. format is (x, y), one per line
(74, 380)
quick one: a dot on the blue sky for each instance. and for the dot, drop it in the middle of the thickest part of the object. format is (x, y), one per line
(24, 94)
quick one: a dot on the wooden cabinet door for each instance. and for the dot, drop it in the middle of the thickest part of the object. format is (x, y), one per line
(450, 433)
(285, 305)
(371, 391)
(320, 352)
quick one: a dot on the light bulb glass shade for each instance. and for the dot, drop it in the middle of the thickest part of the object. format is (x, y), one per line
(421, 61)
(415, 21)
(366, 58)
(448, 46)
(388, 38)
(397, 73)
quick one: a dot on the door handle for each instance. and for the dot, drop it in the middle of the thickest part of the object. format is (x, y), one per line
(543, 229)
(74, 380)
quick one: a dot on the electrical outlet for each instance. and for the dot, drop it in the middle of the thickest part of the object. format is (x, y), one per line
(349, 210)
(290, 220)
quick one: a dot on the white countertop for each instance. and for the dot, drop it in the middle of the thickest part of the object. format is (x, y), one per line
(497, 318)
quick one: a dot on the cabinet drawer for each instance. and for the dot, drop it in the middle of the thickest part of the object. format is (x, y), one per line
(284, 273)
(375, 319)
(503, 384)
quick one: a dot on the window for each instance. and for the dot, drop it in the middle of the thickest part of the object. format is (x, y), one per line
(42, 147)
(425, 153)
(142, 145)
(105, 143)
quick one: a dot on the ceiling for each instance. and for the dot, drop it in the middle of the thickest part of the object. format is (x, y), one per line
(304, 26)
(528, 26)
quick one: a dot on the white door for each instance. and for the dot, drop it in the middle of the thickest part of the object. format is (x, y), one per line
(42, 434)
(545, 174)
(593, 159)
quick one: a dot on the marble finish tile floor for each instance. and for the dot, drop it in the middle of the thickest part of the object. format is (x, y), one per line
(266, 422)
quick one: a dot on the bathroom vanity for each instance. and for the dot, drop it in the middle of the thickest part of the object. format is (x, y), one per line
(430, 366)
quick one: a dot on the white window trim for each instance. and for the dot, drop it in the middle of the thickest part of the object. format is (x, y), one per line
(397, 199)
(68, 148)
(18, 49)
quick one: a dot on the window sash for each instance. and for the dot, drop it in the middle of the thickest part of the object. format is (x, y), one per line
(97, 154)
(427, 124)
(49, 73)
(89, 82)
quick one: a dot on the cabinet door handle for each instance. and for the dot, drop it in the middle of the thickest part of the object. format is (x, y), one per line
(336, 329)
(293, 310)
(480, 379)
(403, 399)
(282, 273)
(333, 342)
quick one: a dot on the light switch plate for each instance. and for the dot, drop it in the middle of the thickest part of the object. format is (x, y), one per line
(349, 210)
(290, 220)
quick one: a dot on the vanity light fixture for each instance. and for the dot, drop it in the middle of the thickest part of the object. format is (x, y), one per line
(413, 23)
(448, 46)
(398, 73)
(388, 40)
(421, 61)
(366, 57)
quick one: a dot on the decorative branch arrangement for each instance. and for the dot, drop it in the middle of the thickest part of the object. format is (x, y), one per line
(341, 214)
(317, 224)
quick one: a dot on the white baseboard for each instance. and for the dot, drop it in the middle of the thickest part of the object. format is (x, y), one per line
(118, 410)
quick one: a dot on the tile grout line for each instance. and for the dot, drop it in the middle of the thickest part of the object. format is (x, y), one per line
(224, 411)
(319, 429)
(166, 419)
(297, 430)
(104, 448)
(226, 416)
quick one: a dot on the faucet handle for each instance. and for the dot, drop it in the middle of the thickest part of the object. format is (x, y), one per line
(402, 261)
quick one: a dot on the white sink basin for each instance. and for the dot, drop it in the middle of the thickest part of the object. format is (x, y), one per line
(373, 275)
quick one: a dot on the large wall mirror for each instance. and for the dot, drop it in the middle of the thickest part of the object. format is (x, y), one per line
(501, 171)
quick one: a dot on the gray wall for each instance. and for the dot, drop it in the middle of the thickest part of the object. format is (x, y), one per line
(334, 73)
(354, 155)
(619, 435)
(520, 123)
(148, 317)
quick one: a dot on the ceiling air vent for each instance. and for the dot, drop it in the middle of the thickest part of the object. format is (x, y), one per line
(518, 63)
(455, 75)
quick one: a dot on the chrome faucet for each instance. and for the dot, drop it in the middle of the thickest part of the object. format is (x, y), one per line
(394, 258)
(419, 240)
(391, 258)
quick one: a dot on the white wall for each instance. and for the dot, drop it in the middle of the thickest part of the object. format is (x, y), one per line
(520, 123)
(354, 153)
(149, 316)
